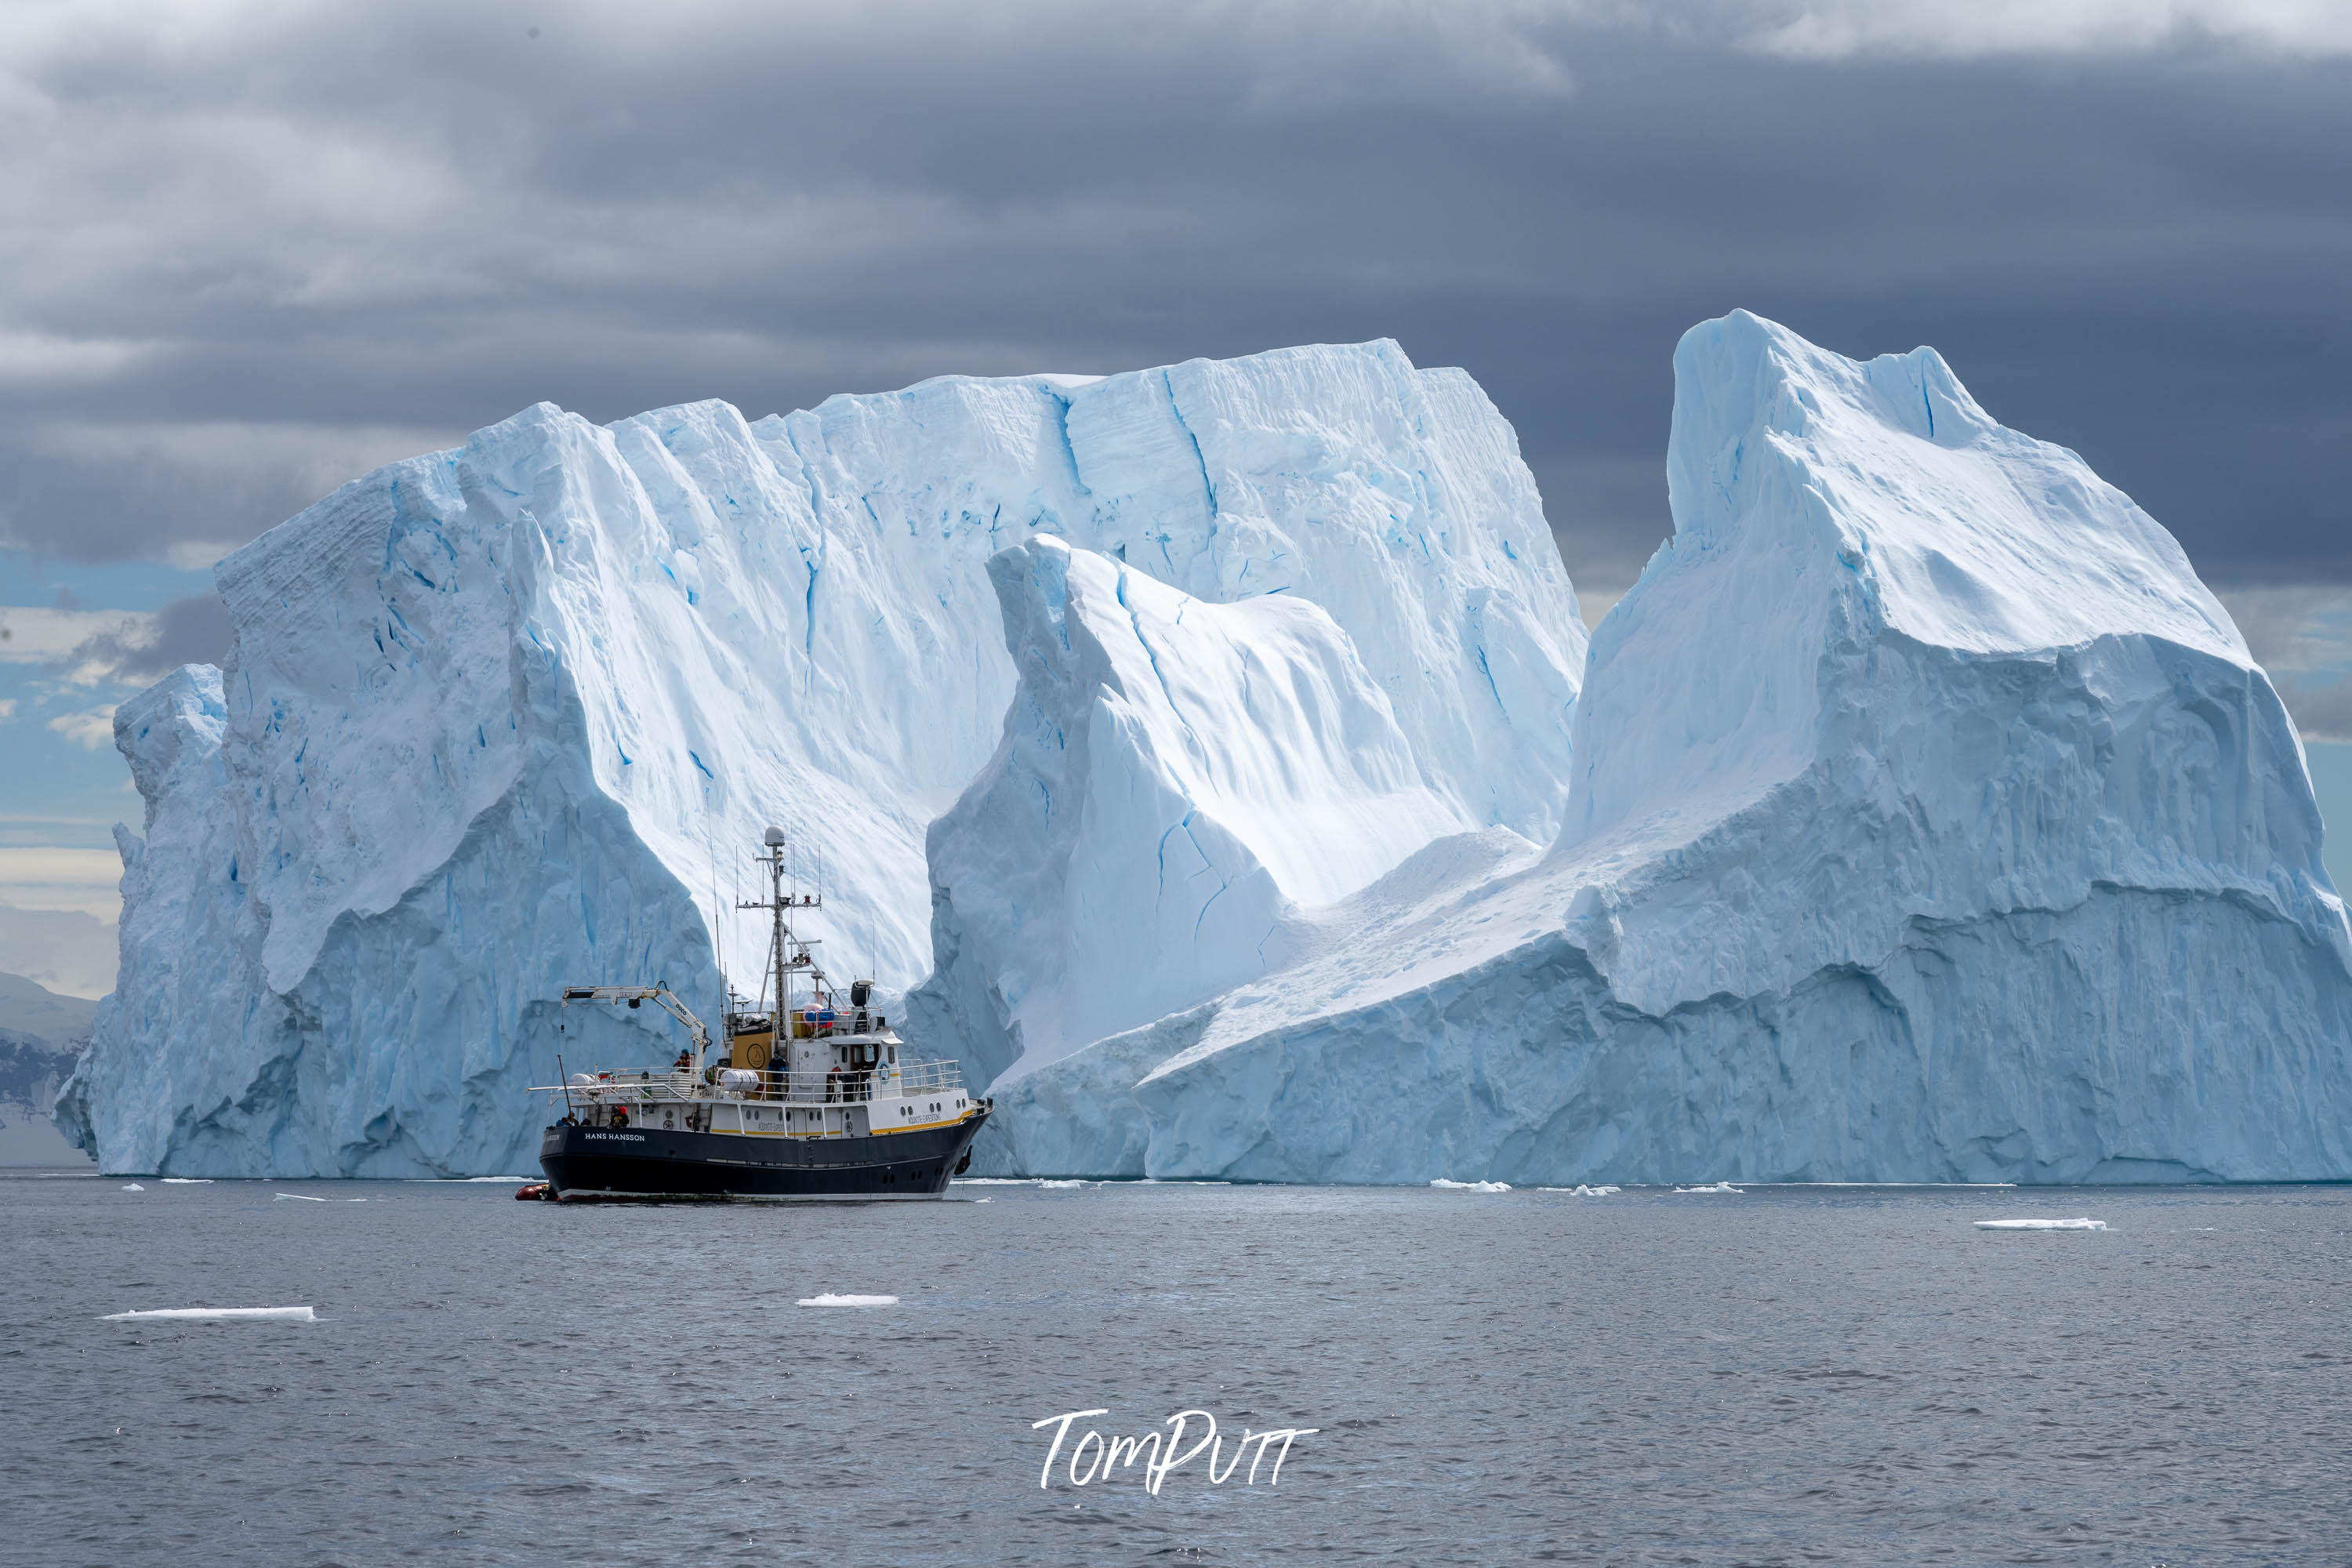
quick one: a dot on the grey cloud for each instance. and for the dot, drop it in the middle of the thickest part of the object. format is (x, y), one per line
(2293, 630)
(418, 219)
(193, 630)
(1836, 29)
(2321, 709)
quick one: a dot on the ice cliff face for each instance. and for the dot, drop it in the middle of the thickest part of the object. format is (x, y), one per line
(509, 716)
(1174, 777)
(1929, 822)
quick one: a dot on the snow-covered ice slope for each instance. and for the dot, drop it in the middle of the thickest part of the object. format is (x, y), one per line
(1929, 821)
(509, 716)
(1173, 777)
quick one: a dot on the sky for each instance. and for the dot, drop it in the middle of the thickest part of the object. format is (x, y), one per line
(250, 250)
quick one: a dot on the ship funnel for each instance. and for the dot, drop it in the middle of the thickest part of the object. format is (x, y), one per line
(775, 837)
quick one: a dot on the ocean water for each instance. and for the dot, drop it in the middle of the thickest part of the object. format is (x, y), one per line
(1797, 1376)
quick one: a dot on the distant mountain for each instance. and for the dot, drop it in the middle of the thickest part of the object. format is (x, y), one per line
(64, 950)
(41, 1033)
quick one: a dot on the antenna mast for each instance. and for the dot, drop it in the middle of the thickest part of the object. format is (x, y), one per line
(786, 951)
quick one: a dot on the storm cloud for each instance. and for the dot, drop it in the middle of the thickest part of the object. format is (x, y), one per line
(253, 250)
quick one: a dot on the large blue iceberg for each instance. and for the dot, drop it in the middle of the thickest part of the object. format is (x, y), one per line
(1927, 821)
(511, 716)
(1212, 759)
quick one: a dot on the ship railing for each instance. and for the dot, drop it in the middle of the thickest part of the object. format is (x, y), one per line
(831, 1088)
(812, 1023)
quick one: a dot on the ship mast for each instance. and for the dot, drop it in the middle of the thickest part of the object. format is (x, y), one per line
(786, 951)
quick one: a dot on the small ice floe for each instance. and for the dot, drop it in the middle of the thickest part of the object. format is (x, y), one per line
(239, 1314)
(1061, 1183)
(1445, 1186)
(301, 1197)
(1713, 1187)
(1583, 1192)
(848, 1301)
(134, 1187)
(187, 1181)
(2042, 1224)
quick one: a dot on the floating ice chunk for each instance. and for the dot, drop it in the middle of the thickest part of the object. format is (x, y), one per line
(241, 1314)
(849, 1302)
(1471, 1186)
(134, 1187)
(187, 1181)
(301, 1197)
(1713, 1187)
(1072, 1183)
(1583, 1192)
(2042, 1224)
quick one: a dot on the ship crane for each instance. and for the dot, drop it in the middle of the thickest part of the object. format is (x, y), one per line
(635, 995)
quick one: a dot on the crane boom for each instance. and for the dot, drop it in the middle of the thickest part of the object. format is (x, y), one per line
(660, 995)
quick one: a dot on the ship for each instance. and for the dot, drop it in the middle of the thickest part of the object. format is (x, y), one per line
(809, 1094)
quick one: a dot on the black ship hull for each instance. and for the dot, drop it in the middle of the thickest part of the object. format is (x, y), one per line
(586, 1162)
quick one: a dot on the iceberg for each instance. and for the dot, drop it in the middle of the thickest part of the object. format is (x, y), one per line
(1928, 821)
(217, 1314)
(1175, 780)
(509, 717)
(1213, 759)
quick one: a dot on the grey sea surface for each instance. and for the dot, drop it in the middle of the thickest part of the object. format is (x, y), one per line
(1792, 1375)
